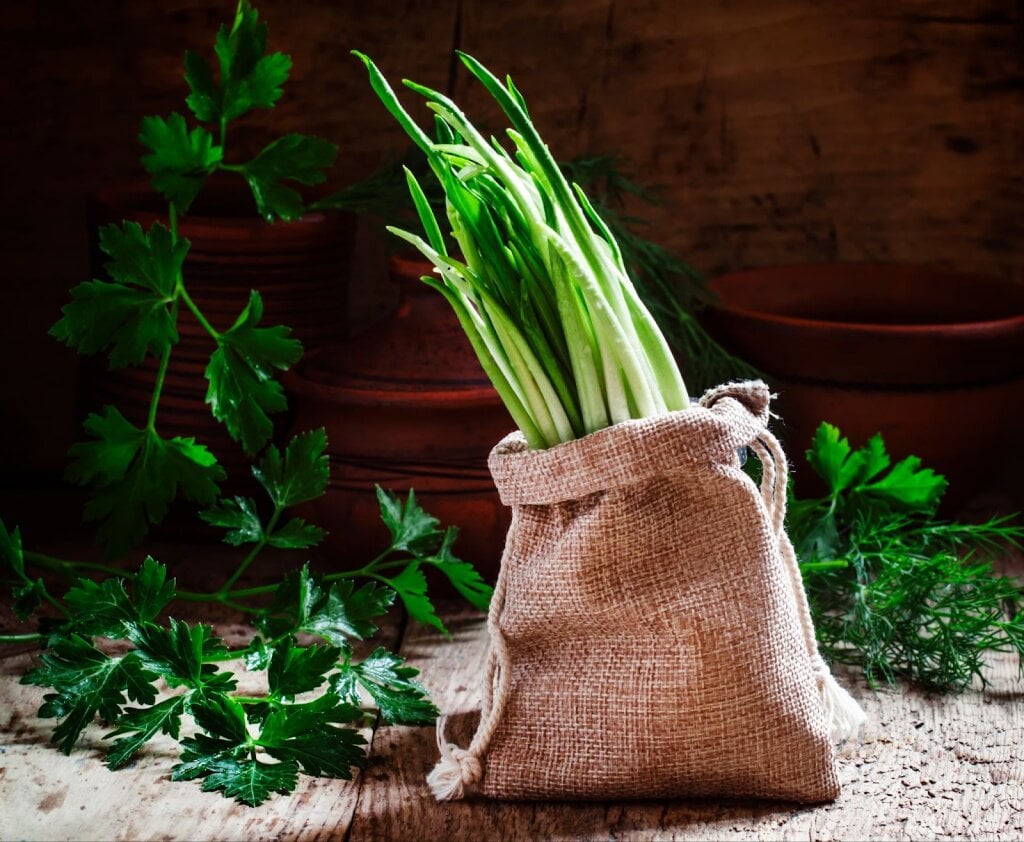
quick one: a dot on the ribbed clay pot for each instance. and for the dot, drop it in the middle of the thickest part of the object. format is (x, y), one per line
(300, 268)
(406, 405)
(932, 359)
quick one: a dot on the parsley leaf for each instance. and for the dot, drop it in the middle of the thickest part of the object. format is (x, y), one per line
(241, 375)
(104, 608)
(257, 654)
(131, 315)
(347, 611)
(400, 699)
(301, 734)
(221, 716)
(87, 682)
(411, 586)
(28, 597)
(297, 535)
(222, 755)
(30, 593)
(177, 654)
(463, 576)
(12, 556)
(201, 751)
(180, 160)
(412, 529)
(301, 474)
(906, 484)
(248, 78)
(143, 724)
(136, 475)
(239, 516)
(246, 780)
(299, 669)
(294, 157)
(909, 485)
(832, 458)
(337, 613)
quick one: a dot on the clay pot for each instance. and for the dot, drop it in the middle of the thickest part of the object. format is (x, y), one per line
(932, 359)
(300, 269)
(406, 405)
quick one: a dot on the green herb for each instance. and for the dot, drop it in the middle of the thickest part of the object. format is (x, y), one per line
(895, 589)
(134, 472)
(673, 290)
(319, 694)
(541, 289)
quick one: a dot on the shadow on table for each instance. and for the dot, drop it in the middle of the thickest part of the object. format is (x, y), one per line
(399, 800)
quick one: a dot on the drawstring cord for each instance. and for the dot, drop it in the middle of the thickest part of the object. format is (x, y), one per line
(460, 768)
(843, 716)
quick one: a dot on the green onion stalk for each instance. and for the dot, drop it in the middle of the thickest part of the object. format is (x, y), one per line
(537, 280)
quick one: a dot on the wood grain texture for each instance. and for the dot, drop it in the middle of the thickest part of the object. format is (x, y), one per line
(791, 131)
(931, 767)
(926, 767)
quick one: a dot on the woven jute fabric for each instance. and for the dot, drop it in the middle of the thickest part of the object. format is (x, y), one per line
(653, 642)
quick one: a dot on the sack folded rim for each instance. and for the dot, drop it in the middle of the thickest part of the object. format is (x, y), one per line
(594, 463)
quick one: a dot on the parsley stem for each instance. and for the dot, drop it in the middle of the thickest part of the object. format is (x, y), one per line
(20, 638)
(365, 571)
(230, 655)
(182, 294)
(224, 592)
(66, 566)
(195, 596)
(161, 374)
(255, 591)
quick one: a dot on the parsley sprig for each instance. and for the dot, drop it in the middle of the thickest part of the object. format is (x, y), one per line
(135, 473)
(895, 589)
(172, 680)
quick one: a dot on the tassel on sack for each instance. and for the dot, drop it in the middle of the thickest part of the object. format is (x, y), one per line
(457, 769)
(843, 714)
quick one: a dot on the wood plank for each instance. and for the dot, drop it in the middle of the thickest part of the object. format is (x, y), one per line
(45, 795)
(937, 767)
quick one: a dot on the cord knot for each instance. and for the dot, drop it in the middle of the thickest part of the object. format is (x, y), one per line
(457, 769)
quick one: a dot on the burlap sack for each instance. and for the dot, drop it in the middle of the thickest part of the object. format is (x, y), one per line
(650, 636)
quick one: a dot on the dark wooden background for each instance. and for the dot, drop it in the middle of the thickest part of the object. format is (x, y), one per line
(782, 130)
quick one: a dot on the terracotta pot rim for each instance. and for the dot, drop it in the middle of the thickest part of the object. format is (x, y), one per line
(965, 328)
(298, 381)
(130, 197)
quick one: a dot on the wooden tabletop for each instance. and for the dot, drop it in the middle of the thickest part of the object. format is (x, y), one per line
(926, 767)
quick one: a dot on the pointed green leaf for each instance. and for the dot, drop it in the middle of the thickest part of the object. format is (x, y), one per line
(390, 683)
(293, 157)
(301, 474)
(142, 724)
(301, 734)
(239, 516)
(87, 682)
(241, 372)
(179, 160)
(412, 529)
(297, 535)
(411, 586)
(136, 474)
(177, 653)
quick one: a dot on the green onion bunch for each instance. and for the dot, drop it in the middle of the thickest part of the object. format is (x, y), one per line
(540, 288)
